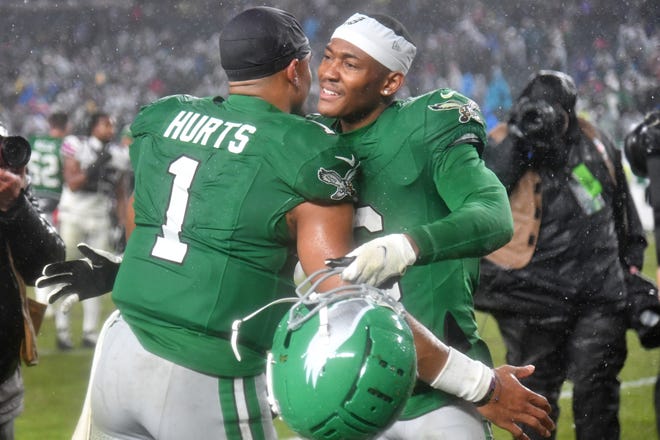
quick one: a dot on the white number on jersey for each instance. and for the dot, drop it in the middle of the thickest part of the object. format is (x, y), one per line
(45, 170)
(169, 246)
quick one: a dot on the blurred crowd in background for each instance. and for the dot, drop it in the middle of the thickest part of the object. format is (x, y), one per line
(81, 56)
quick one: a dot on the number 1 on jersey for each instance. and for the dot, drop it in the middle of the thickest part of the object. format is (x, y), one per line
(169, 246)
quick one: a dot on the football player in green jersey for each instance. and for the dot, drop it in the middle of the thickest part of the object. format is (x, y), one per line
(45, 167)
(429, 206)
(223, 187)
(45, 170)
(192, 266)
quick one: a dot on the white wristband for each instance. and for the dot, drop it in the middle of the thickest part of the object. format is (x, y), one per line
(464, 377)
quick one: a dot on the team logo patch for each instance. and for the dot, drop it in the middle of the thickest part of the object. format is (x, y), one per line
(344, 184)
(466, 111)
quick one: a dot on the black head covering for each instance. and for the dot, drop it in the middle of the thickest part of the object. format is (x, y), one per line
(259, 42)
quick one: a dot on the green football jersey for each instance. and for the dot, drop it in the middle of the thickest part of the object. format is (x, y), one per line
(421, 174)
(45, 167)
(214, 179)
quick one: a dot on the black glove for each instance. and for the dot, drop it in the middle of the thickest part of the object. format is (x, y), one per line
(81, 279)
(94, 171)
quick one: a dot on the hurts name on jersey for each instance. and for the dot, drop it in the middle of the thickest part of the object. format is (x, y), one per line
(198, 129)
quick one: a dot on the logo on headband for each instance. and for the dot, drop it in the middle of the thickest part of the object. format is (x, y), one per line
(355, 20)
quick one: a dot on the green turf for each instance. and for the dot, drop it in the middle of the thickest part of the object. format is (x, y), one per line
(55, 388)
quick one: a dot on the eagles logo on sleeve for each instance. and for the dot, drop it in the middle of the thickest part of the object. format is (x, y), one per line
(467, 111)
(344, 184)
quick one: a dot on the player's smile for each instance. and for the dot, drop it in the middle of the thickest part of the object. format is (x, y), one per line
(328, 94)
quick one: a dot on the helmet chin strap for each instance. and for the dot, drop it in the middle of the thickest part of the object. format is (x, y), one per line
(309, 303)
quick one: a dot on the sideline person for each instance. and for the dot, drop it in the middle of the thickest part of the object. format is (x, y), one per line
(27, 243)
(557, 290)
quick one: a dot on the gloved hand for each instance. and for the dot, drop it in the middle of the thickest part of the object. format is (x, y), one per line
(379, 260)
(81, 279)
(95, 170)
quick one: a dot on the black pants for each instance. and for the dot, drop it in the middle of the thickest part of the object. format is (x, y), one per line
(589, 349)
(7, 430)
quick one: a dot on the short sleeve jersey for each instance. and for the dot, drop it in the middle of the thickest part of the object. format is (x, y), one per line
(421, 166)
(214, 180)
(45, 167)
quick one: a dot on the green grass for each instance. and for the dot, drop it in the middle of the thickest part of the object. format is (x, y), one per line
(55, 388)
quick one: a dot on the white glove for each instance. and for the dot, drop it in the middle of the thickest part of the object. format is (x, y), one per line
(380, 259)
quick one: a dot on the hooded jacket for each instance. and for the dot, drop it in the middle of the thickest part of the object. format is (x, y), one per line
(588, 231)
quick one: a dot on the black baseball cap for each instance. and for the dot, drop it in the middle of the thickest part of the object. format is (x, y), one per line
(259, 42)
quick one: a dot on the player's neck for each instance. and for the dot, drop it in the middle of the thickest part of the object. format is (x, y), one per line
(356, 121)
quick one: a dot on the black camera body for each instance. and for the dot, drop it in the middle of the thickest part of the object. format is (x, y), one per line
(15, 152)
(538, 120)
(642, 142)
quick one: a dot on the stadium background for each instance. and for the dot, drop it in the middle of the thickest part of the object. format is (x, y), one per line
(82, 55)
(79, 55)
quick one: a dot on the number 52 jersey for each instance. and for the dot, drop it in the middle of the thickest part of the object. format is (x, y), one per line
(214, 180)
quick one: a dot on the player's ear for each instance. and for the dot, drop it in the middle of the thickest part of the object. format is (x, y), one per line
(292, 72)
(393, 81)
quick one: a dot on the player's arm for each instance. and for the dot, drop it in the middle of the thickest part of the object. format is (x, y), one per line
(75, 177)
(480, 222)
(326, 232)
(129, 221)
(73, 174)
(498, 393)
(321, 232)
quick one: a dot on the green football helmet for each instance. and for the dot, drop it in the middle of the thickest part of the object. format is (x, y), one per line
(343, 363)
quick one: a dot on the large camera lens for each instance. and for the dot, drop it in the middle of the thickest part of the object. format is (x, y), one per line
(538, 119)
(15, 151)
(532, 121)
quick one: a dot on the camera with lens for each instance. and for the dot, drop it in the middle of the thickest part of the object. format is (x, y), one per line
(537, 120)
(15, 152)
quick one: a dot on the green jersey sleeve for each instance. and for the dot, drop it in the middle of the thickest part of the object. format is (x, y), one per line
(479, 219)
(333, 181)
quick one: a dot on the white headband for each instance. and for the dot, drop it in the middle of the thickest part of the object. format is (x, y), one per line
(378, 41)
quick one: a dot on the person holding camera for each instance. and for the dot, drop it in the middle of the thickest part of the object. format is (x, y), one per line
(557, 289)
(642, 149)
(27, 243)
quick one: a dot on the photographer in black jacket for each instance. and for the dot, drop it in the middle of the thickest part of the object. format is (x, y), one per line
(557, 289)
(642, 149)
(27, 243)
